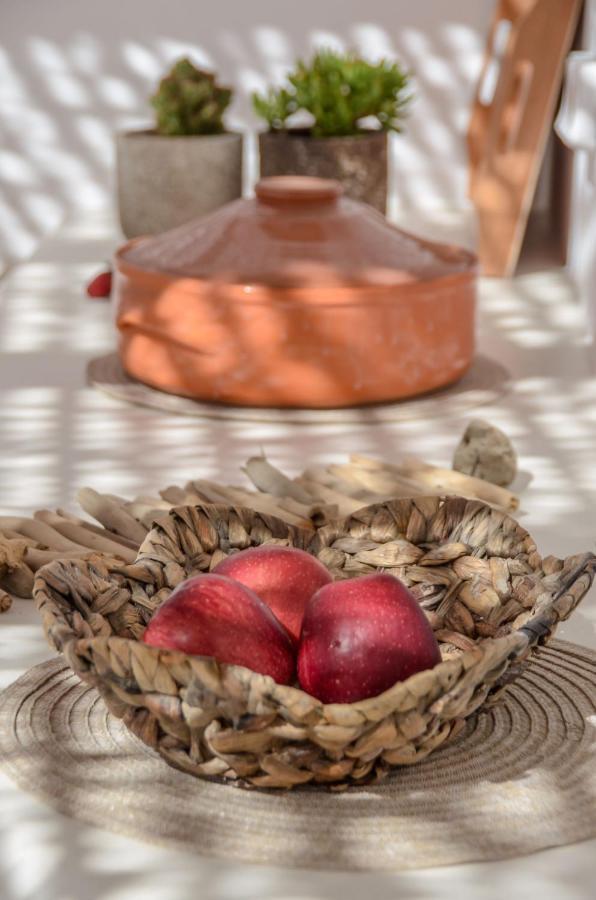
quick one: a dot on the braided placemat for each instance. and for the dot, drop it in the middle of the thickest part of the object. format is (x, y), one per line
(519, 778)
(485, 382)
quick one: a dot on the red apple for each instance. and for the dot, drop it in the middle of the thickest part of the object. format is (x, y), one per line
(360, 637)
(284, 577)
(100, 286)
(210, 615)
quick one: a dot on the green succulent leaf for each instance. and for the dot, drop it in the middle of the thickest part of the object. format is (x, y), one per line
(339, 90)
(189, 101)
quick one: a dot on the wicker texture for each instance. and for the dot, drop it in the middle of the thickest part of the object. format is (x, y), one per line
(476, 572)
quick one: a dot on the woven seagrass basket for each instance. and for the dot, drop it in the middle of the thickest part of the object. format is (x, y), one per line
(488, 594)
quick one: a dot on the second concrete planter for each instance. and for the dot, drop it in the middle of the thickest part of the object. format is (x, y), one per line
(359, 161)
(165, 181)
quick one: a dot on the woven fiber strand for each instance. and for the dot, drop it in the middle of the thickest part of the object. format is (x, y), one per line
(476, 572)
(485, 382)
(519, 778)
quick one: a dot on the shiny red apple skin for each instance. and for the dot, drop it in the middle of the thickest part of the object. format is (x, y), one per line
(360, 637)
(284, 577)
(211, 615)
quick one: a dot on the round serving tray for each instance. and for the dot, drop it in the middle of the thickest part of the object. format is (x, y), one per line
(519, 778)
(485, 382)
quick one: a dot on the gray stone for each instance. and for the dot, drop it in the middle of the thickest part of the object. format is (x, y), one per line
(165, 181)
(486, 452)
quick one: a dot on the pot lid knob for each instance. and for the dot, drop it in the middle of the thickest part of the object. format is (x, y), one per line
(297, 189)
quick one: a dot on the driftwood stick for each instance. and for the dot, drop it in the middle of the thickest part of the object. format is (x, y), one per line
(304, 511)
(15, 575)
(263, 503)
(5, 601)
(97, 529)
(148, 500)
(177, 496)
(269, 480)
(87, 539)
(447, 481)
(213, 493)
(191, 488)
(37, 558)
(19, 581)
(111, 514)
(321, 475)
(314, 510)
(12, 553)
(45, 535)
(17, 536)
(147, 514)
(345, 505)
(231, 494)
(201, 497)
(377, 482)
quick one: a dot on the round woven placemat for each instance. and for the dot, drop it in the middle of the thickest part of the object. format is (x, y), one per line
(520, 778)
(485, 382)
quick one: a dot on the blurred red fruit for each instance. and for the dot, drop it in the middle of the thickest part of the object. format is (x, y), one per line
(100, 286)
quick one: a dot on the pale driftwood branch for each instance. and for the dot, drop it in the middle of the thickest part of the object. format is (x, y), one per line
(270, 480)
(19, 582)
(97, 529)
(265, 503)
(154, 502)
(37, 558)
(325, 494)
(213, 493)
(85, 539)
(321, 475)
(147, 515)
(44, 534)
(17, 536)
(109, 511)
(320, 493)
(177, 496)
(440, 480)
(15, 575)
(316, 509)
(447, 481)
(380, 483)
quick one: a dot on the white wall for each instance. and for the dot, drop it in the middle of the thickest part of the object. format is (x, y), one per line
(582, 236)
(72, 71)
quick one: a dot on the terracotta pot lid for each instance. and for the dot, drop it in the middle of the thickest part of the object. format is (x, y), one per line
(296, 232)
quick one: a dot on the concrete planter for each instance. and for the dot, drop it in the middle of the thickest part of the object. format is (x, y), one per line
(358, 161)
(165, 181)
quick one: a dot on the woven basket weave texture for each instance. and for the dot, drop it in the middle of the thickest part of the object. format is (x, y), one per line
(476, 572)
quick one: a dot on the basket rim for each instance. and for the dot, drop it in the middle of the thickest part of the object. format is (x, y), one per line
(514, 644)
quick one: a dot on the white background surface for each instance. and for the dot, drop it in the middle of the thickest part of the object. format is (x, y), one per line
(73, 71)
(57, 435)
(578, 130)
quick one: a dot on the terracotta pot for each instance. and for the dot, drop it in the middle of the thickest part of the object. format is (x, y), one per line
(359, 162)
(298, 297)
(164, 181)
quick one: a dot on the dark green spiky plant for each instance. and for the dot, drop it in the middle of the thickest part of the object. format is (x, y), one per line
(189, 101)
(339, 91)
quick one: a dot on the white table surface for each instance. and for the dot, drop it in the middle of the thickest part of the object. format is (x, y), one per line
(57, 435)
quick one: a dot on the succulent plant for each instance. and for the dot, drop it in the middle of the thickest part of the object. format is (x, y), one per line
(338, 91)
(189, 101)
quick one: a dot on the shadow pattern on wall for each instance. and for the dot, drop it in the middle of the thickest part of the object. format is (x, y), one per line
(70, 76)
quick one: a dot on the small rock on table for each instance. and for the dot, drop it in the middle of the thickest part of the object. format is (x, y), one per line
(486, 452)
